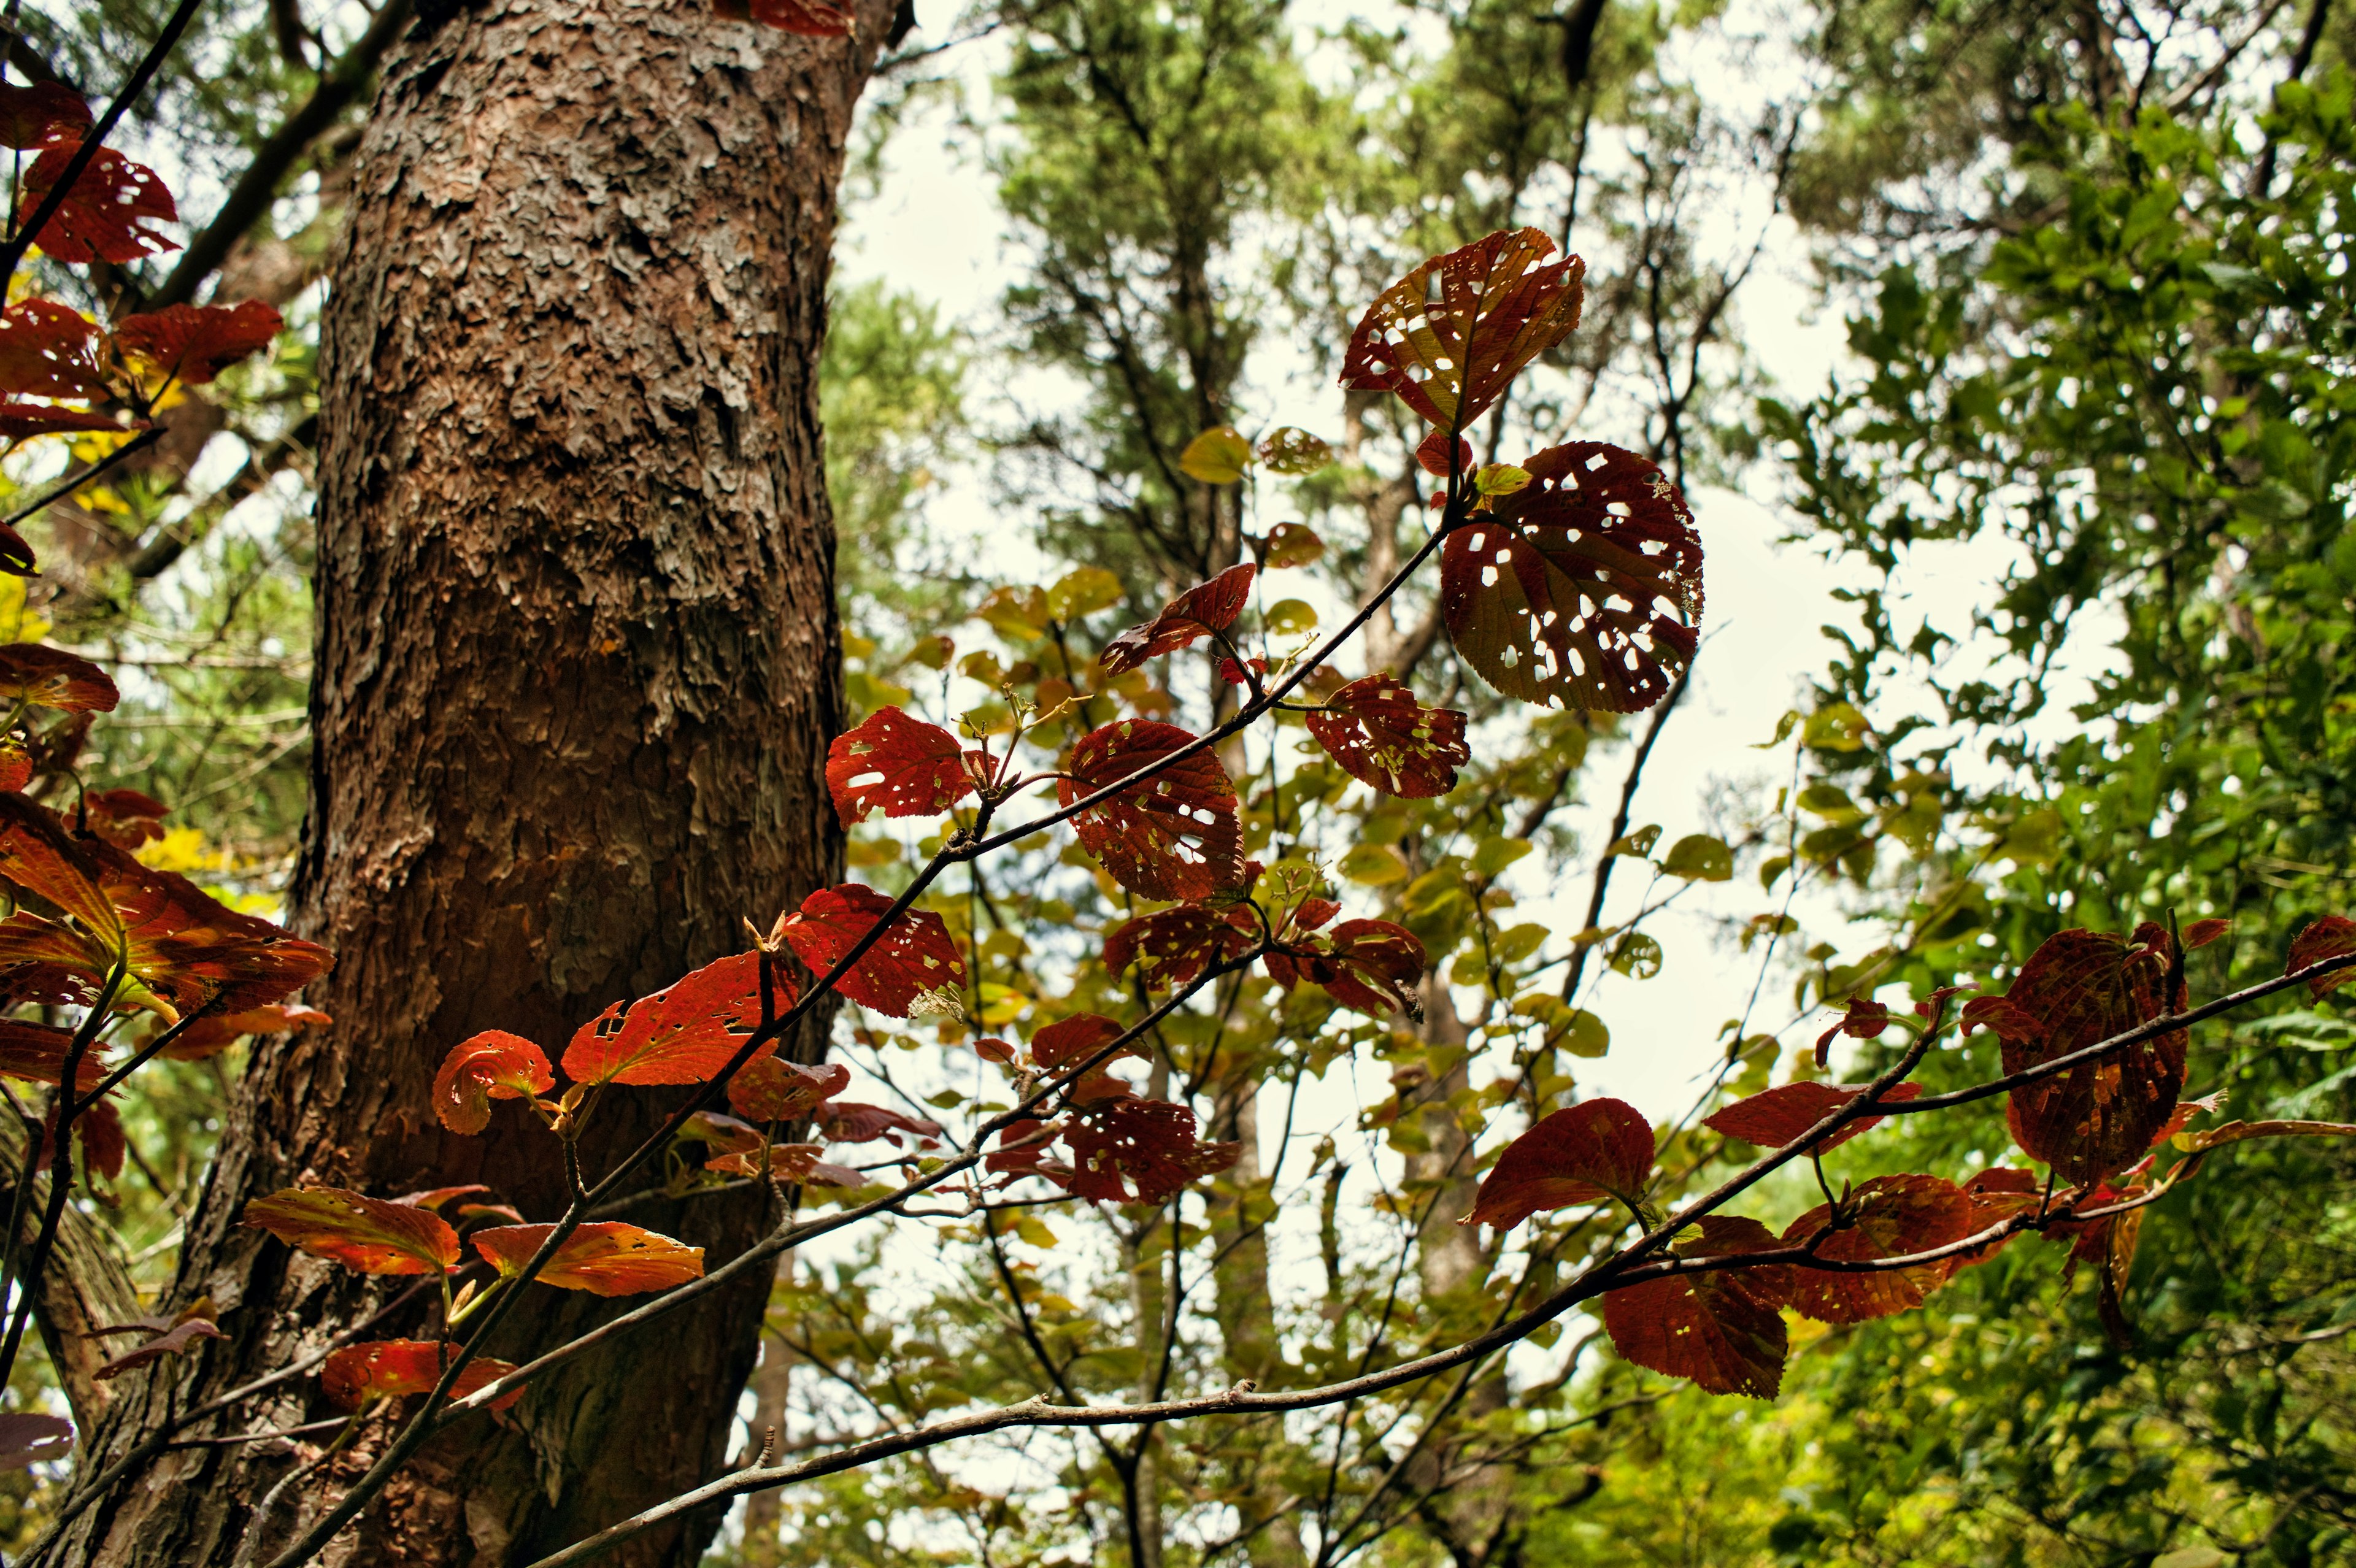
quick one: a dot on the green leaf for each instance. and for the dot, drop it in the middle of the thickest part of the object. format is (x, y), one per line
(1288, 617)
(1639, 843)
(1291, 450)
(1217, 457)
(1292, 544)
(1586, 1035)
(1083, 592)
(1374, 866)
(1637, 955)
(1497, 853)
(1513, 946)
(1699, 857)
(1501, 479)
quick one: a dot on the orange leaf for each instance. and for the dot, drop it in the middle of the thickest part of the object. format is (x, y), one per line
(38, 1052)
(369, 1234)
(916, 956)
(492, 1065)
(1450, 335)
(1723, 1330)
(682, 1034)
(1888, 1216)
(1382, 736)
(1174, 836)
(602, 1257)
(771, 1089)
(392, 1369)
(2333, 936)
(1583, 1153)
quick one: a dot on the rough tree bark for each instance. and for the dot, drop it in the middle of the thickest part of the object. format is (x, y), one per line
(576, 668)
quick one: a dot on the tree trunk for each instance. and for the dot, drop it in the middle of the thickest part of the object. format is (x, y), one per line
(576, 670)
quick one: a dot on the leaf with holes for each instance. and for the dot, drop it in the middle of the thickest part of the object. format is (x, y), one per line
(1291, 450)
(370, 1235)
(193, 343)
(107, 214)
(27, 1439)
(1449, 337)
(394, 1369)
(771, 1089)
(1583, 591)
(682, 1034)
(811, 18)
(49, 351)
(98, 1130)
(1373, 965)
(1173, 947)
(2333, 936)
(602, 1257)
(1174, 836)
(492, 1065)
(1149, 1144)
(28, 115)
(44, 677)
(1587, 1153)
(176, 1341)
(1206, 608)
(1074, 1039)
(1723, 1330)
(1382, 736)
(789, 1163)
(1774, 1118)
(915, 956)
(1888, 1216)
(2080, 988)
(906, 766)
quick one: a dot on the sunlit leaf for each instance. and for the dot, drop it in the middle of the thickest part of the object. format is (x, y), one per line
(1699, 857)
(370, 1235)
(492, 1065)
(1723, 1330)
(47, 350)
(1292, 544)
(1382, 736)
(1220, 455)
(904, 765)
(1289, 450)
(915, 956)
(44, 677)
(394, 1369)
(216, 1032)
(36, 1052)
(1450, 335)
(193, 343)
(771, 1089)
(1175, 836)
(602, 1257)
(1583, 1153)
(685, 1033)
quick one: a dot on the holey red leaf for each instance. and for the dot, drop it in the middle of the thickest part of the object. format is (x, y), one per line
(44, 677)
(1382, 736)
(1774, 1118)
(1151, 1144)
(393, 1369)
(49, 351)
(1584, 590)
(2078, 988)
(1202, 609)
(1373, 965)
(1888, 1216)
(1172, 947)
(1723, 1330)
(1174, 836)
(603, 1257)
(913, 957)
(1450, 335)
(29, 113)
(192, 343)
(2333, 936)
(904, 765)
(370, 1235)
(492, 1065)
(771, 1089)
(110, 211)
(1586, 1152)
(682, 1034)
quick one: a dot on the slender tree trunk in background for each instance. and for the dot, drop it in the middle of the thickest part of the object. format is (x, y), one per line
(576, 670)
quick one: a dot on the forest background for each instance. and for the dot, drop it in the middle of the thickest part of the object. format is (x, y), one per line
(2007, 338)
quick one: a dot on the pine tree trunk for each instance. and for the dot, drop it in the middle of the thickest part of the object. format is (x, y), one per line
(576, 669)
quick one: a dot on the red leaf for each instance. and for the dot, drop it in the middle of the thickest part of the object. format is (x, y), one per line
(790, 1163)
(1373, 965)
(1723, 1330)
(29, 113)
(124, 817)
(1889, 1217)
(1865, 1019)
(1996, 1194)
(1022, 1147)
(45, 676)
(2201, 933)
(1774, 1118)
(1202, 609)
(438, 1197)
(1175, 836)
(1151, 1143)
(492, 1065)
(1431, 454)
(855, 1122)
(26, 1439)
(603, 1257)
(1382, 736)
(1583, 1153)
(108, 212)
(1582, 591)
(216, 1032)
(682, 1034)
(916, 956)
(394, 1369)
(99, 1130)
(16, 559)
(1174, 946)
(812, 18)
(2209, 1104)
(20, 421)
(904, 766)
(369, 1234)
(1073, 1039)
(194, 342)
(173, 1341)
(2333, 936)
(49, 351)
(38, 1052)
(771, 1089)
(2077, 989)
(1450, 335)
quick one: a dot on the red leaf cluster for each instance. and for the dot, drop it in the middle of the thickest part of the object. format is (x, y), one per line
(1586, 1152)
(1382, 736)
(1449, 337)
(1174, 836)
(915, 955)
(1206, 608)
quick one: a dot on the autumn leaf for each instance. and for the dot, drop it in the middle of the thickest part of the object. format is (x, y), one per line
(27, 1439)
(1291, 450)
(192, 343)
(1382, 736)
(915, 956)
(29, 113)
(125, 818)
(683, 1033)
(603, 1257)
(789, 1163)
(99, 1130)
(1151, 1144)
(1582, 591)
(855, 1122)
(370, 1235)
(1723, 1330)
(771, 1089)
(1888, 1216)
(1449, 337)
(44, 677)
(109, 212)
(2080, 988)
(1074, 1039)
(2333, 936)
(1206, 608)
(216, 1032)
(1774, 1118)
(20, 421)
(1173, 947)
(1374, 965)
(176, 1341)
(393, 1369)
(36, 1052)
(492, 1065)
(1176, 835)
(906, 766)
(47, 350)
(1581, 1154)
(811, 18)
(1217, 457)
(440, 1198)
